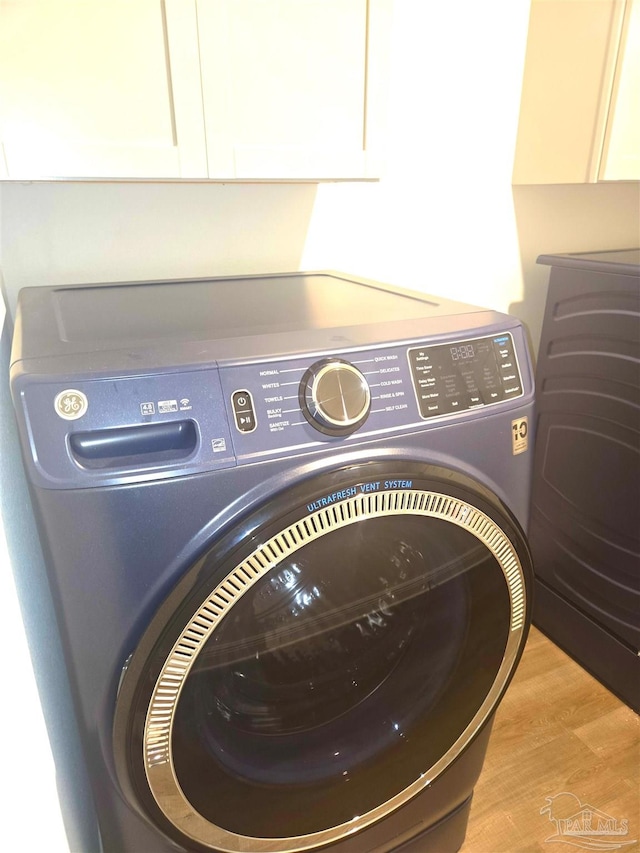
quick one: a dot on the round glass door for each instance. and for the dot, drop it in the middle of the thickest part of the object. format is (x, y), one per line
(338, 665)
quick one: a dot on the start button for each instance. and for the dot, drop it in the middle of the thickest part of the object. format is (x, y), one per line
(243, 411)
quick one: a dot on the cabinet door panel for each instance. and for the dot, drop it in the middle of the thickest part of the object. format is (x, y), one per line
(567, 79)
(580, 93)
(284, 87)
(621, 160)
(88, 89)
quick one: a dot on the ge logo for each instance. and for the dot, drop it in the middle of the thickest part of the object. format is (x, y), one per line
(71, 404)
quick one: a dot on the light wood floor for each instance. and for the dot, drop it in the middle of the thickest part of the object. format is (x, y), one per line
(557, 730)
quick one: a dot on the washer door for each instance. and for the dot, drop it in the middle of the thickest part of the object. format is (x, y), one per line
(324, 661)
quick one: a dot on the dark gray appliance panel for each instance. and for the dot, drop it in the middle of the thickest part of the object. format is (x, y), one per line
(585, 535)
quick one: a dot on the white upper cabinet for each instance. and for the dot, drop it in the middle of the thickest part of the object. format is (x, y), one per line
(97, 89)
(285, 88)
(193, 89)
(621, 152)
(579, 115)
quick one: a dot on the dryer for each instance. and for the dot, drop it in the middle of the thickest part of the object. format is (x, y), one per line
(284, 524)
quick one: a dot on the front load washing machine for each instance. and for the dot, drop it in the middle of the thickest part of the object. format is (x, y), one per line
(283, 521)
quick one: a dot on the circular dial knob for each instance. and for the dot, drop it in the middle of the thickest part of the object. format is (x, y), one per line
(334, 397)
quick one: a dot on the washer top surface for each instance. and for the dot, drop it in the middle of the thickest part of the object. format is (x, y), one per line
(237, 317)
(226, 308)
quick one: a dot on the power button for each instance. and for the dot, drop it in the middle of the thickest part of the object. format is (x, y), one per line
(243, 411)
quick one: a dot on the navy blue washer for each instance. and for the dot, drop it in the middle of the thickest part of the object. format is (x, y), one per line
(283, 519)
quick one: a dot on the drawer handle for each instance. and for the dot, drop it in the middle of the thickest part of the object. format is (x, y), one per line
(125, 446)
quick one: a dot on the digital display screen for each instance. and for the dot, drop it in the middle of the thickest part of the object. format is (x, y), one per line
(462, 352)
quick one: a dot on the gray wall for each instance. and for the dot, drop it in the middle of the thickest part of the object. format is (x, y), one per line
(569, 218)
(55, 233)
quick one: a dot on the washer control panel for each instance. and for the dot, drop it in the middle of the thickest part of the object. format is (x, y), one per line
(108, 430)
(301, 401)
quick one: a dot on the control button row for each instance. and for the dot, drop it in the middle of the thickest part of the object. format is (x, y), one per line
(243, 411)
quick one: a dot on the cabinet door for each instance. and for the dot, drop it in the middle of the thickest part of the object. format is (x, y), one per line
(100, 89)
(566, 103)
(621, 158)
(293, 88)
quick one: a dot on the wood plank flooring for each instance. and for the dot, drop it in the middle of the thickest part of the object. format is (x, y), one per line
(557, 730)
